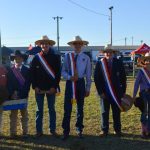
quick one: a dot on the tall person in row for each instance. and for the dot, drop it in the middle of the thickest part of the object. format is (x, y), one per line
(143, 81)
(18, 87)
(46, 74)
(110, 81)
(76, 68)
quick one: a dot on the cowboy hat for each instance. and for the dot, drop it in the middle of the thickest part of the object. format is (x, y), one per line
(108, 49)
(146, 57)
(78, 39)
(45, 39)
(127, 102)
(18, 53)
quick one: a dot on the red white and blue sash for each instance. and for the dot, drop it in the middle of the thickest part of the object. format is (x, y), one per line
(18, 76)
(109, 86)
(73, 68)
(146, 74)
(47, 68)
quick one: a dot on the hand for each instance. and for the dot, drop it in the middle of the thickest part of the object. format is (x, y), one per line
(51, 91)
(37, 90)
(87, 93)
(102, 96)
(74, 78)
(15, 95)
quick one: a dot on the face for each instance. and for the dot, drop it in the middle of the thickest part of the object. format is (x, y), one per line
(45, 47)
(18, 60)
(147, 63)
(108, 55)
(78, 46)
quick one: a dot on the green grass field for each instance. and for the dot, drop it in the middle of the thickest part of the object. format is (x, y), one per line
(130, 127)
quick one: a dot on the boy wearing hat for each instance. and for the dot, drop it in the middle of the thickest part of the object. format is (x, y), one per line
(143, 81)
(18, 88)
(45, 68)
(76, 88)
(3, 91)
(110, 82)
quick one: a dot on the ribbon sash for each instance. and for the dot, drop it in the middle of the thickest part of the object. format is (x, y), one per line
(110, 89)
(147, 76)
(47, 68)
(73, 68)
(18, 76)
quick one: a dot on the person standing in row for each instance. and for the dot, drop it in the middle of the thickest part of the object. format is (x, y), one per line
(45, 68)
(110, 82)
(18, 88)
(143, 81)
(76, 67)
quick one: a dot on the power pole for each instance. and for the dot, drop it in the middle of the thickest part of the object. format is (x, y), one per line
(132, 40)
(141, 42)
(0, 50)
(111, 8)
(125, 41)
(57, 19)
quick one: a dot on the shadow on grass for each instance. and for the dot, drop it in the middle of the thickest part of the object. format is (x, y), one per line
(90, 142)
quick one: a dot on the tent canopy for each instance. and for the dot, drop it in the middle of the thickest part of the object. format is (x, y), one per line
(144, 48)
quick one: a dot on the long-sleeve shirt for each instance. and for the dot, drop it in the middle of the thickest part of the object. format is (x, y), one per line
(141, 82)
(83, 66)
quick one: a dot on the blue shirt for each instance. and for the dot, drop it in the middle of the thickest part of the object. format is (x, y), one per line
(83, 68)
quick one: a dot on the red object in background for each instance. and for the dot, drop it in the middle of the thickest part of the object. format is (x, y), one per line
(144, 48)
(30, 47)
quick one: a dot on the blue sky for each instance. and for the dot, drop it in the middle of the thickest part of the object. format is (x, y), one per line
(24, 21)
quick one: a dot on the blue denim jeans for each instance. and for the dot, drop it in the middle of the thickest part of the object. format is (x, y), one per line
(105, 108)
(145, 116)
(39, 112)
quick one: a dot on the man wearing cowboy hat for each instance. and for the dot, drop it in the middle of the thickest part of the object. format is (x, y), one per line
(82, 70)
(143, 81)
(18, 87)
(45, 69)
(110, 79)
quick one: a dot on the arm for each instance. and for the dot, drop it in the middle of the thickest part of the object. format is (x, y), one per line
(33, 73)
(123, 76)
(88, 75)
(136, 84)
(98, 79)
(58, 70)
(65, 69)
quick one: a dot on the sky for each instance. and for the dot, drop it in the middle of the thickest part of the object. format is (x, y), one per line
(22, 22)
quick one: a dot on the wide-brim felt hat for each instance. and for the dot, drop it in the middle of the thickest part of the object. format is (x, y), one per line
(45, 39)
(78, 39)
(18, 53)
(109, 49)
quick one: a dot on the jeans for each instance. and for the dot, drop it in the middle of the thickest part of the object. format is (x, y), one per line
(105, 108)
(39, 112)
(145, 116)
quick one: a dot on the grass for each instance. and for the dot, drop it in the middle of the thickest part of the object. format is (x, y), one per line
(130, 126)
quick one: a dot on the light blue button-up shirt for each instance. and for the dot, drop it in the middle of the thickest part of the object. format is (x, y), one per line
(84, 69)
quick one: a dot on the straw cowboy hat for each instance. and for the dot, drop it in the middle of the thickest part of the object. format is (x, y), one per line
(45, 39)
(146, 57)
(108, 49)
(78, 39)
(141, 60)
(18, 53)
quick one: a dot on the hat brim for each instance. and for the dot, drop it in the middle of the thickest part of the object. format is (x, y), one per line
(23, 56)
(109, 51)
(50, 42)
(143, 58)
(82, 42)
